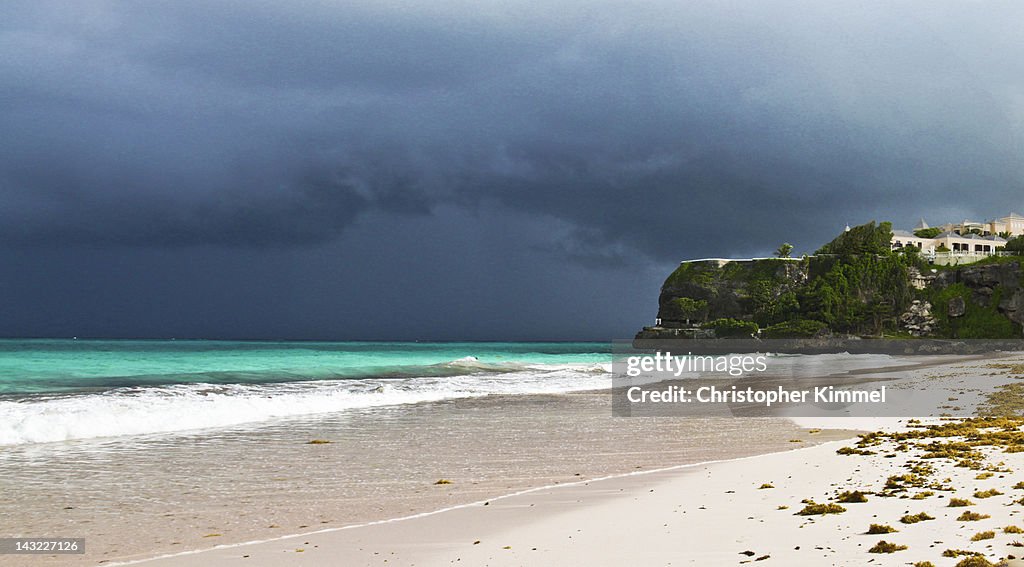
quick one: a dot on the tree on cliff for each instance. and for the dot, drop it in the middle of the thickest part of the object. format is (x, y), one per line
(867, 238)
(859, 284)
(1015, 245)
(784, 250)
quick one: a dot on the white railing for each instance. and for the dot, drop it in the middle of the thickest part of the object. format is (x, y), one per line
(725, 260)
(929, 255)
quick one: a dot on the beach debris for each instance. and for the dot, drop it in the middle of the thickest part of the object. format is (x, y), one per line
(1012, 530)
(886, 547)
(853, 451)
(212, 535)
(443, 481)
(762, 558)
(748, 553)
(960, 552)
(915, 518)
(881, 529)
(983, 535)
(848, 497)
(766, 486)
(975, 561)
(987, 493)
(317, 442)
(972, 517)
(814, 509)
(959, 502)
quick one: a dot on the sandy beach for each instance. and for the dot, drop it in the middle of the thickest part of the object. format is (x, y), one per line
(715, 514)
(961, 506)
(196, 490)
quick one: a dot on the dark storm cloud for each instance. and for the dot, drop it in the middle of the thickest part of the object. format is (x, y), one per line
(256, 123)
(628, 134)
(241, 122)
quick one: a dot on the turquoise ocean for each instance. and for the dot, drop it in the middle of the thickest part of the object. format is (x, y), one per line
(61, 390)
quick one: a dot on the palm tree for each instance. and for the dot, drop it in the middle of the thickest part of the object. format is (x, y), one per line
(784, 250)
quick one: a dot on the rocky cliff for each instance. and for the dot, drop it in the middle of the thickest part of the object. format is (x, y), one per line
(860, 295)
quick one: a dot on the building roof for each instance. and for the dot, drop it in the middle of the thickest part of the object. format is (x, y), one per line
(970, 236)
(921, 224)
(903, 233)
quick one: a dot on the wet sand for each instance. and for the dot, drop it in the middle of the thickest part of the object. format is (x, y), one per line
(146, 496)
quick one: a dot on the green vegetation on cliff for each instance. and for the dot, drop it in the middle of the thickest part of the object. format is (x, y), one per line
(864, 239)
(854, 285)
(977, 322)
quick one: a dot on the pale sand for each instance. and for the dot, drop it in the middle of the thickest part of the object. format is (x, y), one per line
(141, 498)
(706, 514)
(700, 515)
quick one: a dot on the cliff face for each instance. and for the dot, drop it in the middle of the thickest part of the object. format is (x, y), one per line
(733, 289)
(867, 295)
(988, 284)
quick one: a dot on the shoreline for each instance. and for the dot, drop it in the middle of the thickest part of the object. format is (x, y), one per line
(734, 511)
(710, 513)
(540, 438)
(539, 525)
(485, 502)
(380, 465)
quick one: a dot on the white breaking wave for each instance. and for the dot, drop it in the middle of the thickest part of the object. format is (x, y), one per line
(182, 407)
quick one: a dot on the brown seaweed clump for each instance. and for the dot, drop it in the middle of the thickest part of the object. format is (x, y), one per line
(814, 509)
(915, 518)
(886, 547)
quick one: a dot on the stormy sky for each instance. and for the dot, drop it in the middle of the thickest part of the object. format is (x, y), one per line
(462, 170)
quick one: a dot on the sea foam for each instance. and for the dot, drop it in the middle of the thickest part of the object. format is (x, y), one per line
(182, 407)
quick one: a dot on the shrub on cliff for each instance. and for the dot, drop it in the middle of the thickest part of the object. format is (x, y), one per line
(732, 328)
(857, 293)
(1015, 245)
(867, 238)
(799, 329)
(689, 308)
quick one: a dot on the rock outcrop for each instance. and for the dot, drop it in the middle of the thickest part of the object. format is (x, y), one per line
(972, 301)
(918, 320)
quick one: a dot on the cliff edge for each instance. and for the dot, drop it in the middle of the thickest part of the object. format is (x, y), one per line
(855, 286)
